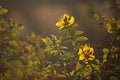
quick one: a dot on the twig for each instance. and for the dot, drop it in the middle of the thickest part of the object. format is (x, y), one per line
(111, 44)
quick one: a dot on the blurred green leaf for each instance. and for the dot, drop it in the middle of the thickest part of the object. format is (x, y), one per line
(64, 63)
(105, 50)
(65, 37)
(75, 25)
(61, 76)
(81, 38)
(45, 40)
(72, 72)
(13, 43)
(73, 43)
(105, 55)
(78, 32)
(63, 47)
(97, 61)
(104, 61)
(53, 52)
(97, 67)
(78, 66)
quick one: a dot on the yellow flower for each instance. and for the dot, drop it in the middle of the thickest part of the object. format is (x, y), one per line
(65, 21)
(86, 53)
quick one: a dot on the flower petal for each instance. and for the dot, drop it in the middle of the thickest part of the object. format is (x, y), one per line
(82, 57)
(91, 50)
(85, 49)
(66, 17)
(61, 27)
(71, 21)
(80, 51)
(60, 23)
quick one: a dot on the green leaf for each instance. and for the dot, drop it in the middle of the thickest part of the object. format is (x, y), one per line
(78, 32)
(53, 52)
(65, 37)
(81, 38)
(105, 55)
(61, 76)
(96, 67)
(78, 66)
(57, 64)
(63, 47)
(75, 25)
(64, 64)
(73, 43)
(45, 40)
(72, 72)
(55, 71)
(105, 50)
(93, 65)
(14, 43)
(104, 61)
(97, 61)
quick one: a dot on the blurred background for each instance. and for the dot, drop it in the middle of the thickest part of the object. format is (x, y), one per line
(40, 16)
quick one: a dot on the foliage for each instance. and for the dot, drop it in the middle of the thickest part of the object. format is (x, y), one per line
(37, 57)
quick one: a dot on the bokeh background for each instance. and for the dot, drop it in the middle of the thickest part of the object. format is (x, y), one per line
(40, 16)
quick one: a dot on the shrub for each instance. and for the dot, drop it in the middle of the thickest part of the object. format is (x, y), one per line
(35, 57)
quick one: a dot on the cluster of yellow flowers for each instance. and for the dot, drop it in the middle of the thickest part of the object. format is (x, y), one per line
(86, 53)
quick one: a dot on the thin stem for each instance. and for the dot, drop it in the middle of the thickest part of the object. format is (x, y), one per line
(108, 57)
(111, 44)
